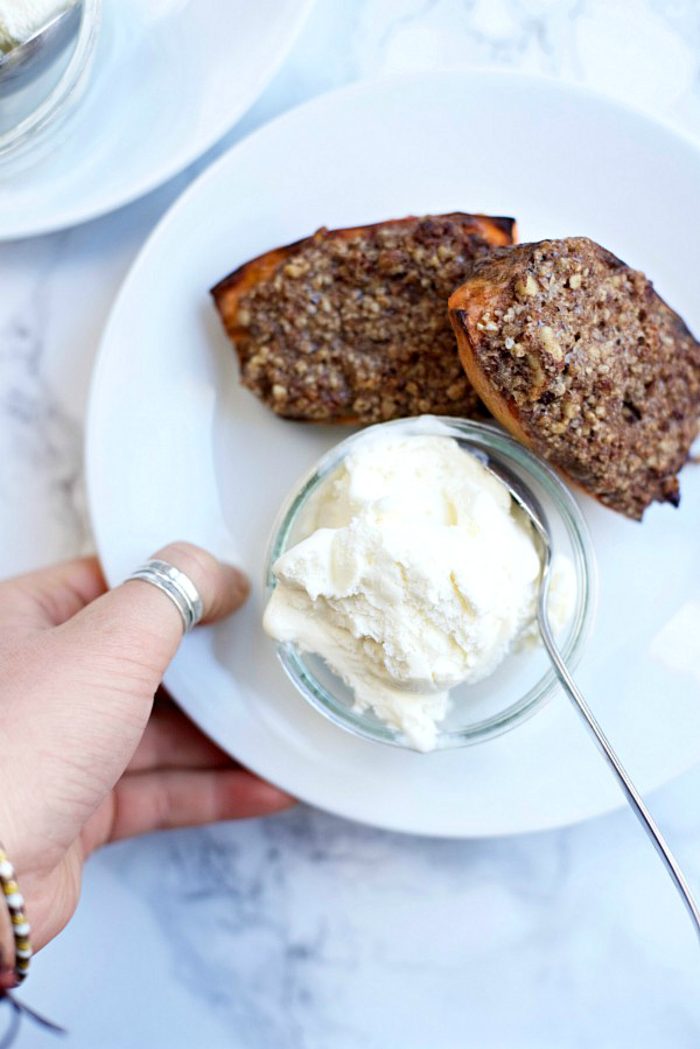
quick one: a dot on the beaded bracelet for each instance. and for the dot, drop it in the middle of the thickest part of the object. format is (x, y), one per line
(20, 925)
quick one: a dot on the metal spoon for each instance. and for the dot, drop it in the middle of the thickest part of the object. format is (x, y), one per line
(29, 60)
(531, 507)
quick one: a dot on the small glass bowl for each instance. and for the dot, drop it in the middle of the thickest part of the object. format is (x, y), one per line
(46, 113)
(524, 682)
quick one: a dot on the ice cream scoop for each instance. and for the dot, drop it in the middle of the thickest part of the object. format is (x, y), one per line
(415, 573)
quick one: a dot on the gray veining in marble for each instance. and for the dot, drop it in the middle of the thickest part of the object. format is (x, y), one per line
(304, 931)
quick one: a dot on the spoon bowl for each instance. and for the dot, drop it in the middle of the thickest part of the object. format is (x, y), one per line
(30, 59)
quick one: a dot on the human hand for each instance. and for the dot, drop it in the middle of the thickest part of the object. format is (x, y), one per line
(86, 759)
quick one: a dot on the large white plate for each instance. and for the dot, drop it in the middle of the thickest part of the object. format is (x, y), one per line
(170, 78)
(176, 449)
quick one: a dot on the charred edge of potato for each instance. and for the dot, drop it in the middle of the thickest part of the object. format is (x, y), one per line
(497, 230)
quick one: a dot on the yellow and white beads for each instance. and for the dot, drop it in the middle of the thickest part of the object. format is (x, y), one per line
(20, 926)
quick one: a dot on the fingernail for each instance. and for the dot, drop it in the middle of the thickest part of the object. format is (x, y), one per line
(8, 980)
(273, 798)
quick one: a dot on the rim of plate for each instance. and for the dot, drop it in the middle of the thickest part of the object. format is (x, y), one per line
(368, 85)
(318, 103)
(173, 166)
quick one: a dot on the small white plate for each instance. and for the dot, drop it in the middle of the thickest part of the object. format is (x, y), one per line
(170, 77)
(177, 449)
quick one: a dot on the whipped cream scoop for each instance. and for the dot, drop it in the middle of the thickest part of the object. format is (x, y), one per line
(414, 573)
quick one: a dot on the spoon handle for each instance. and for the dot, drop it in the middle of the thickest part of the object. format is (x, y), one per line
(631, 793)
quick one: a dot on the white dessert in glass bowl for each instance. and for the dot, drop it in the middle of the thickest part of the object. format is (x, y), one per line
(412, 572)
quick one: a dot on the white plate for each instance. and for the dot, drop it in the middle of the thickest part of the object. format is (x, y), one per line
(176, 449)
(170, 78)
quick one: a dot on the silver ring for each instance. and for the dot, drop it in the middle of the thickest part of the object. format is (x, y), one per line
(179, 588)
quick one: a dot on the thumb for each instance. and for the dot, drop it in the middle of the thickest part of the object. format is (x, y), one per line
(136, 628)
(91, 681)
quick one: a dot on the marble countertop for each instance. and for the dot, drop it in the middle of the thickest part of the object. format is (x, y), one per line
(304, 931)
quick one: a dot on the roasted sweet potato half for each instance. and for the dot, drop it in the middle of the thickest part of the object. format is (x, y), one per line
(579, 357)
(351, 325)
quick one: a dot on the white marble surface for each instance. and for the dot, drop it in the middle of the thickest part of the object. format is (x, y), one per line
(302, 931)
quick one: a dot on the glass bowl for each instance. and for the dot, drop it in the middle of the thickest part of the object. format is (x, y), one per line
(524, 682)
(34, 119)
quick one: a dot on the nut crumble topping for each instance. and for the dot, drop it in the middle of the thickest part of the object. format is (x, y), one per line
(352, 325)
(578, 353)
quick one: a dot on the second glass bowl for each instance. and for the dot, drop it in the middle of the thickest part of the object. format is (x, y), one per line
(524, 681)
(36, 117)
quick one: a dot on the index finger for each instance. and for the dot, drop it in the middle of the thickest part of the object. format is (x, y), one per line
(50, 596)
